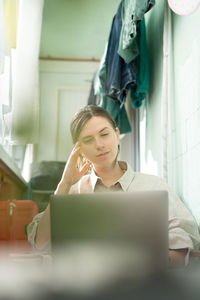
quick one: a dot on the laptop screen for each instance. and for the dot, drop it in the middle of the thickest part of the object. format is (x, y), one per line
(136, 220)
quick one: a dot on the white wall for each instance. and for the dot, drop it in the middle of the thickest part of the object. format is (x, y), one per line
(64, 88)
(186, 131)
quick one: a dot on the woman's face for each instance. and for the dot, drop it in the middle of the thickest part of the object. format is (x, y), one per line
(99, 141)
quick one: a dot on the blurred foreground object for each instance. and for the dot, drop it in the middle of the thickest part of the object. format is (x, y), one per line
(184, 7)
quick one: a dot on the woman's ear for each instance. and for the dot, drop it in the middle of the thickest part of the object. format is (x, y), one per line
(118, 133)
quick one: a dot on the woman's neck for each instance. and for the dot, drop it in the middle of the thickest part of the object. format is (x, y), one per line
(109, 174)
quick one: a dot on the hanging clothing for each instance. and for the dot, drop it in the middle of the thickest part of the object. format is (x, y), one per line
(116, 76)
(93, 98)
(138, 92)
(114, 107)
(119, 75)
(132, 12)
(118, 112)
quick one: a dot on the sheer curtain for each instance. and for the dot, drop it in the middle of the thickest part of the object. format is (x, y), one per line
(167, 91)
(8, 29)
(25, 111)
(20, 29)
(2, 38)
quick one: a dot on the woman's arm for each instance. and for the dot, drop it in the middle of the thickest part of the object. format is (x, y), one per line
(177, 258)
(43, 229)
(70, 176)
(183, 230)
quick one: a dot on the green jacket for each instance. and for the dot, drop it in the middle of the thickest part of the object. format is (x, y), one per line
(132, 12)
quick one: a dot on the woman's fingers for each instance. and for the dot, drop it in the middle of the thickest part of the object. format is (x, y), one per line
(71, 172)
(85, 168)
(75, 152)
(76, 147)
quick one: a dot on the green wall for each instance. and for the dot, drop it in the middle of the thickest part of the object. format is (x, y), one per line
(183, 108)
(186, 158)
(76, 28)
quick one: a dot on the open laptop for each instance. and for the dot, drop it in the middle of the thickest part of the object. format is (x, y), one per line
(115, 224)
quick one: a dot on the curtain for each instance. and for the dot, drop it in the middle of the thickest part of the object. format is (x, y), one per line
(25, 103)
(166, 90)
(10, 24)
(2, 38)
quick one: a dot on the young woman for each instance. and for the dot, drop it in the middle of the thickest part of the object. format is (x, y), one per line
(96, 140)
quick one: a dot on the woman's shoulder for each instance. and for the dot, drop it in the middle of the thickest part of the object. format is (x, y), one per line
(148, 176)
(150, 179)
(143, 179)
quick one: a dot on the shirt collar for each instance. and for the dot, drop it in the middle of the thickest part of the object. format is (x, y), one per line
(124, 181)
(127, 177)
(93, 178)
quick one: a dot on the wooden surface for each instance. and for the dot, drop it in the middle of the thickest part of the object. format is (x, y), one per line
(11, 186)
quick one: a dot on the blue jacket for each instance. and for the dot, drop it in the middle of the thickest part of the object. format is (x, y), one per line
(119, 75)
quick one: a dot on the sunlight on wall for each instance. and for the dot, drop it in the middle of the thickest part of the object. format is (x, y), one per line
(187, 122)
(147, 163)
(184, 108)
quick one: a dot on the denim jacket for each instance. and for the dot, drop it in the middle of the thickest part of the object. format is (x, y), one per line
(117, 110)
(119, 75)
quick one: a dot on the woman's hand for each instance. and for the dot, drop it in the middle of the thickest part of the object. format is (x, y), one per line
(177, 257)
(71, 173)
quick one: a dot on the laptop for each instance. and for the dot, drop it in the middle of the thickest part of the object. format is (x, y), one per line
(131, 228)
